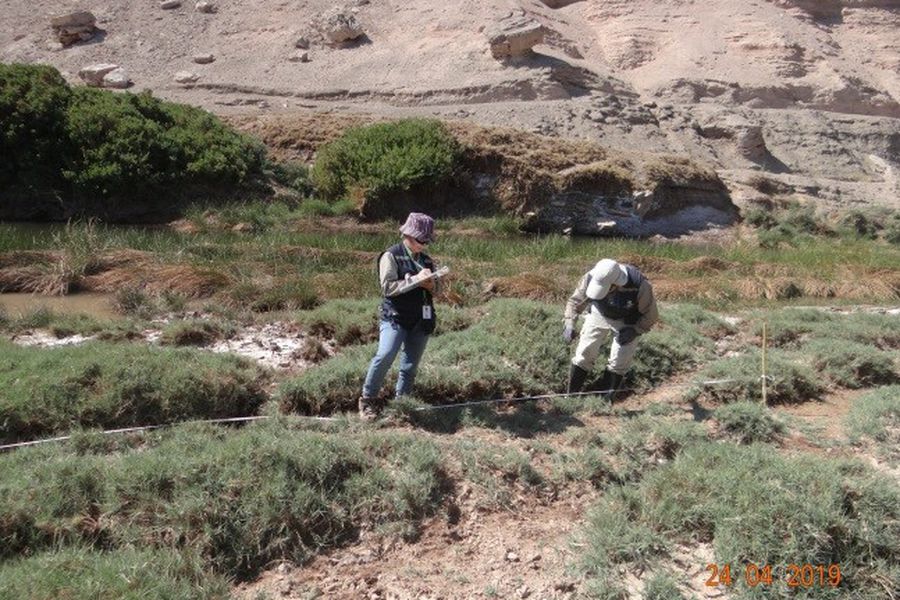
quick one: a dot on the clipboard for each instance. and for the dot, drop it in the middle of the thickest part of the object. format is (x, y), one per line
(441, 272)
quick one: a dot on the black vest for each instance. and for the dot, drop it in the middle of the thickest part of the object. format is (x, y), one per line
(406, 309)
(622, 302)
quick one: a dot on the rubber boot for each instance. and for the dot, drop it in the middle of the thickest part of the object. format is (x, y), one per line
(611, 383)
(369, 408)
(577, 375)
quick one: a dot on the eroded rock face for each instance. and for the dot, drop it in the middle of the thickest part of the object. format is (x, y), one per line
(515, 37)
(74, 27)
(671, 209)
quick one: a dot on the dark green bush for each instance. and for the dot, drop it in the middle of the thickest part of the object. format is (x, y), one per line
(107, 152)
(134, 143)
(386, 158)
(33, 104)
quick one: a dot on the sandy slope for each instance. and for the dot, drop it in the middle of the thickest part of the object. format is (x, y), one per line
(818, 81)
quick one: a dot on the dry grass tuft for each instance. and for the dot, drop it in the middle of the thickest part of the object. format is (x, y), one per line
(649, 264)
(529, 285)
(675, 289)
(705, 264)
(187, 281)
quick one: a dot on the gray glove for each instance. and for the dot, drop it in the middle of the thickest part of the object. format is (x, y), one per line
(626, 335)
(568, 333)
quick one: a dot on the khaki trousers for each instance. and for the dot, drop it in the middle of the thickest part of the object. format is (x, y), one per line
(594, 332)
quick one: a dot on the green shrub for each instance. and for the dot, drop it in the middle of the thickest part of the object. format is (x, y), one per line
(852, 365)
(293, 175)
(240, 500)
(386, 158)
(527, 357)
(748, 422)
(662, 587)
(128, 574)
(195, 332)
(792, 327)
(33, 103)
(44, 391)
(131, 144)
(790, 383)
(106, 152)
(645, 442)
(815, 510)
(876, 415)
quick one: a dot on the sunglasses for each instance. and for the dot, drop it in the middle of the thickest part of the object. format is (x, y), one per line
(422, 242)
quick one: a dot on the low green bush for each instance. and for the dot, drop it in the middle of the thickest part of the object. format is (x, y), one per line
(748, 422)
(816, 511)
(662, 586)
(851, 364)
(194, 332)
(513, 349)
(645, 442)
(127, 574)
(45, 391)
(876, 416)
(240, 500)
(386, 158)
(791, 381)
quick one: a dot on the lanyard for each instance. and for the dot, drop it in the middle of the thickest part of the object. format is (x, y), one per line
(409, 254)
(420, 267)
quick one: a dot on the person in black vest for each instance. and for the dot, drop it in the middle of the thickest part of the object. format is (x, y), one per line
(407, 311)
(620, 301)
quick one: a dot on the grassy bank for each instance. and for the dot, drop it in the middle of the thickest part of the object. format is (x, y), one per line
(46, 391)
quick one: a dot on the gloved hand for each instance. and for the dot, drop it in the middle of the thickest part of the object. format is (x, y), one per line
(569, 332)
(626, 335)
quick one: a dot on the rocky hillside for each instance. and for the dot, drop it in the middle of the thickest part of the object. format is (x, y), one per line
(797, 96)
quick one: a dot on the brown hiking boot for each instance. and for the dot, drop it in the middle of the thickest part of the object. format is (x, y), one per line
(369, 408)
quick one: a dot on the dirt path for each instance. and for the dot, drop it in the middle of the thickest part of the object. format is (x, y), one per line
(508, 554)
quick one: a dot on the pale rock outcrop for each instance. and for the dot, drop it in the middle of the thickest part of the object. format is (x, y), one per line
(302, 42)
(170, 4)
(341, 27)
(117, 78)
(203, 59)
(515, 37)
(299, 56)
(204, 6)
(186, 77)
(74, 27)
(93, 74)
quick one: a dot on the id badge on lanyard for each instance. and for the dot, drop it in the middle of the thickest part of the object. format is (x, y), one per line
(426, 312)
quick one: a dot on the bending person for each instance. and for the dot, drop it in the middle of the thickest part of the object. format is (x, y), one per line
(619, 301)
(407, 313)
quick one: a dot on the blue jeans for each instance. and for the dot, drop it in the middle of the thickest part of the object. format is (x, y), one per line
(390, 340)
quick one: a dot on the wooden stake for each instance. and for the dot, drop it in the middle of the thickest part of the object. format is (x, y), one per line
(765, 401)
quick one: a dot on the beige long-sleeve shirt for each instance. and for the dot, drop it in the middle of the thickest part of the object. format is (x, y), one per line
(388, 278)
(579, 301)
